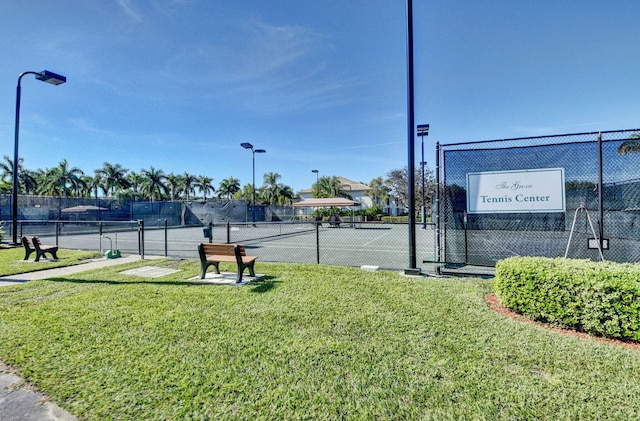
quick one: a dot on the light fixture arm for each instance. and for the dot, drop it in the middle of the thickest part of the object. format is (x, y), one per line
(45, 76)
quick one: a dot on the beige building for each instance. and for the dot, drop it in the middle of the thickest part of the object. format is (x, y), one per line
(350, 189)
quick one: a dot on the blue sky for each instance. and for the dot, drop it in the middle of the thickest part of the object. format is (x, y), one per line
(179, 84)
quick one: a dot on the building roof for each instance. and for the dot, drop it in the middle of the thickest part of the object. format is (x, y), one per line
(347, 186)
(325, 202)
(355, 186)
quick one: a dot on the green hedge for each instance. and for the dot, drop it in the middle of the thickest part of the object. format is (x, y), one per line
(601, 298)
(396, 219)
(401, 219)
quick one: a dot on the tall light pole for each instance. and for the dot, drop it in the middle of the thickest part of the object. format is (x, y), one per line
(253, 163)
(316, 172)
(45, 76)
(412, 269)
(423, 130)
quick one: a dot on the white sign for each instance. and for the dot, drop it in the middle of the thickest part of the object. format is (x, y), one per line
(538, 190)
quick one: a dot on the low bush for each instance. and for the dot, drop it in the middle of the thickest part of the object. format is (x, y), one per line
(600, 298)
(395, 219)
(402, 219)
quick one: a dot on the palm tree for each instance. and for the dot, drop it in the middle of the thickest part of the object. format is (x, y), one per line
(49, 185)
(285, 195)
(6, 166)
(188, 181)
(328, 187)
(379, 191)
(153, 185)
(270, 187)
(274, 193)
(91, 185)
(174, 184)
(63, 180)
(245, 194)
(100, 183)
(135, 181)
(114, 177)
(631, 145)
(27, 180)
(228, 187)
(203, 183)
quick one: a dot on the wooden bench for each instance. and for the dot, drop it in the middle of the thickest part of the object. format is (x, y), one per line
(211, 254)
(40, 249)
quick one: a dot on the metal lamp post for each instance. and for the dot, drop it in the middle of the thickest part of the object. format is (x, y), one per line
(253, 163)
(423, 130)
(45, 76)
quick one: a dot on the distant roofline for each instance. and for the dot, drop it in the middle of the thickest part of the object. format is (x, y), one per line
(354, 186)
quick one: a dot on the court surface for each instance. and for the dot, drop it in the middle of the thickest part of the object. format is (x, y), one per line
(382, 245)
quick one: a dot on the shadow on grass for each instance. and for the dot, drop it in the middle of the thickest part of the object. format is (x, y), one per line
(264, 284)
(260, 285)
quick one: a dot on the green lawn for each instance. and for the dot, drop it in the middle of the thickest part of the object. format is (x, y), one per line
(11, 260)
(307, 342)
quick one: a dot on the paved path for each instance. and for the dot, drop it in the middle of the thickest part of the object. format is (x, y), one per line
(18, 400)
(63, 271)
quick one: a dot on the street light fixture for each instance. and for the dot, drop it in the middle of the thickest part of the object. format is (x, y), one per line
(45, 76)
(247, 145)
(423, 130)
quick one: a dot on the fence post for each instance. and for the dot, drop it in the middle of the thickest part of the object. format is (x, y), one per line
(437, 215)
(100, 234)
(318, 223)
(57, 228)
(166, 243)
(466, 242)
(141, 238)
(228, 232)
(600, 193)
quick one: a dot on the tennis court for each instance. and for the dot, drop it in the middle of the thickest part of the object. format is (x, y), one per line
(370, 244)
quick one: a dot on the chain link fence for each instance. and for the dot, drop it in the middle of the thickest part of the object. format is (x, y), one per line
(599, 216)
(178, 213)
(175, 229)
(601, 198)
(374, 245)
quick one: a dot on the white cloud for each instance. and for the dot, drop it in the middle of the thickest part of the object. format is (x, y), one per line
(129, 10)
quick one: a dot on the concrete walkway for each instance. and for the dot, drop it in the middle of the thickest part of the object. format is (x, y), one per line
(64, 271)
(18, 400)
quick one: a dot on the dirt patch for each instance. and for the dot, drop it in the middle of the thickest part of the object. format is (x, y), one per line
(494, 304)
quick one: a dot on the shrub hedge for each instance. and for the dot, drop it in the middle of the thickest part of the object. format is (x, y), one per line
(600, 298)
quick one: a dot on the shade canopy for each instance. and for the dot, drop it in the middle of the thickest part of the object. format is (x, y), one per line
(325, 202)
(84, 208)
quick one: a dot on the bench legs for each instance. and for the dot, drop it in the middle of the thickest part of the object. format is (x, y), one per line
(241, 269)
(43, 253)
(28, 252)
(205, 265)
